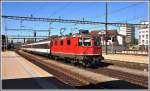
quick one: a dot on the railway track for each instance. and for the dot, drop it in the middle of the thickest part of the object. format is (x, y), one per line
(132, 65)
(132, 78)
(66, 76)
(77, 81)
(139, 80)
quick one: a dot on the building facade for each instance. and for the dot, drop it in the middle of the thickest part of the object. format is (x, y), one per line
(112, 37)
(129, 32)
(143, 40)
(113, 42)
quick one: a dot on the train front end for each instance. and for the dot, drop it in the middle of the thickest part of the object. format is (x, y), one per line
(90, 47)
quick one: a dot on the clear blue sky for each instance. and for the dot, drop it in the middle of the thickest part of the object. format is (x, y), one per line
(132, 12)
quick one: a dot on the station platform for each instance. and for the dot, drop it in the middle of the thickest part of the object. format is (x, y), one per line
(127, 58)
(19, 73)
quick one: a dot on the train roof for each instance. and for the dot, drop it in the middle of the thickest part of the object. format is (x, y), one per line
(39, 42)
(58, 37)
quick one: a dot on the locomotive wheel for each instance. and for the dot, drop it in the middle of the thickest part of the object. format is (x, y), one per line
(66, 60)
(52, 57)
(85, 64)
(75, 62)
(88, 64)
(69, 60)
(55, 58)
(49, 56)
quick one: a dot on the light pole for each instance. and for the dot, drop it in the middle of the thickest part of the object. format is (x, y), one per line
(106, 28)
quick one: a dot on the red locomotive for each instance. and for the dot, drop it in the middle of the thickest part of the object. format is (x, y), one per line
(83, 48)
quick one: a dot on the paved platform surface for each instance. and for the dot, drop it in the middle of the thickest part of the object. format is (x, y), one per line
(127, 58)
(19, 73)
(100, 79)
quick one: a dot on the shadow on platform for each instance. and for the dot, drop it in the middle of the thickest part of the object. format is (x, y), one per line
(117, 84)
(101, 65)
(31, 83)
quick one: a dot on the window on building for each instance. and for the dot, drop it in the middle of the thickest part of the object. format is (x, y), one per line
(146, 41)
(139, 42)
(139, 36)
(146, 36)
(143, 36)
(68, 42)
(113, 39)
(108, 37)
(142, 41)
(61, 42)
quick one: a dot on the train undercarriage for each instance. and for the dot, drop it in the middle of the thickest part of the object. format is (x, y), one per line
(84, 60)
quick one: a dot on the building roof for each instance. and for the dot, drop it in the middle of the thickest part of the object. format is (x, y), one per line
(94, 32)
(101, 32)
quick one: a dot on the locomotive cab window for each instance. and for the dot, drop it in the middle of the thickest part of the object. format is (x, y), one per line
(84, 42)
(80, 42)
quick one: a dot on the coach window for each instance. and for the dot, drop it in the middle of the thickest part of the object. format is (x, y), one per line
(68, 42)
(34, 46)
(42, 46)
(38, 46)
(45, 46)
(61, 42)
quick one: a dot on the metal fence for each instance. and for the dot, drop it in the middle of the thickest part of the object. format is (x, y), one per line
(124, 50)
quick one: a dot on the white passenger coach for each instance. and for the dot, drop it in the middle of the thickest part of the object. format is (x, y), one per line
(38, 47)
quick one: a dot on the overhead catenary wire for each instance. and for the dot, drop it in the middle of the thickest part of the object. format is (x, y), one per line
(126, 21)
(132, 19)
(61, 9)
(137, 18)
(120, 9)
(37, 10)
(64, 7)
(124, 8)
